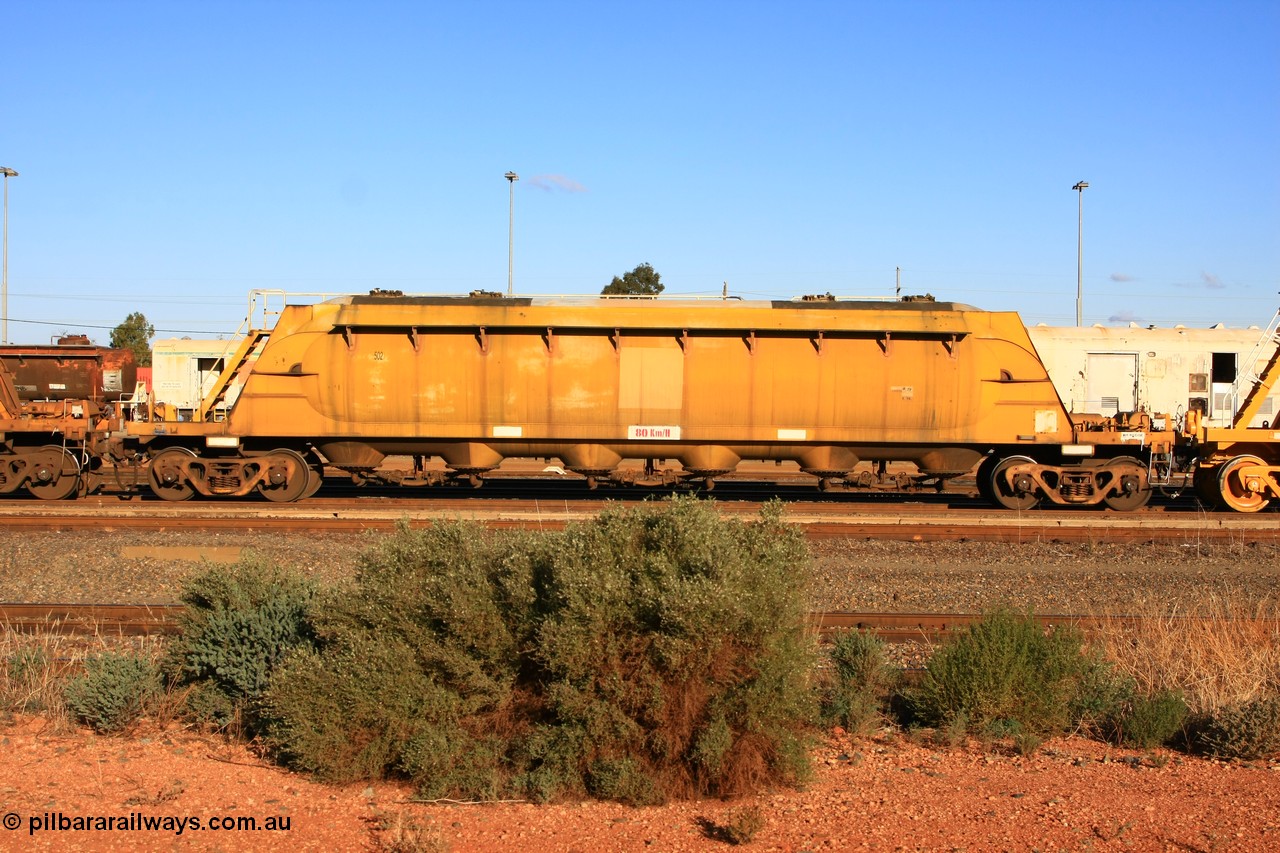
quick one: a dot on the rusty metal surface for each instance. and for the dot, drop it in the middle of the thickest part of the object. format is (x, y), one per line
(76, 370)
(128, 620)
(932, 628)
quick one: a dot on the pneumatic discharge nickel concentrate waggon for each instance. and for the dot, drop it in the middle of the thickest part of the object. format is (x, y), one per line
(595, 381)
(599, 382)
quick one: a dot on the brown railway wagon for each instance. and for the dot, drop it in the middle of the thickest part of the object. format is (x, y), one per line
(71, 369)
(51, 448)
(596, 381)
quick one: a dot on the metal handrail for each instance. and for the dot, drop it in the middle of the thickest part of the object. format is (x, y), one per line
(1247, 377)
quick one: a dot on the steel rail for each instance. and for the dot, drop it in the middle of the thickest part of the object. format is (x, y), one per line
(129, 620)
(932, 628)
(917, 524)
(146, 619)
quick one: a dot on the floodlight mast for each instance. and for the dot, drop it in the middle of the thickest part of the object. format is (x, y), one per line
(1080, 187)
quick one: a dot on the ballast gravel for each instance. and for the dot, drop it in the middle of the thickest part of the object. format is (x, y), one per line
(847, 574)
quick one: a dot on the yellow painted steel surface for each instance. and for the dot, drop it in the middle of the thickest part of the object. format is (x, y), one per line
(596, 380)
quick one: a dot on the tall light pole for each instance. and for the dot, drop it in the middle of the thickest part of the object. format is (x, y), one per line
(4, 276)
(1080, 187)
(511, 177)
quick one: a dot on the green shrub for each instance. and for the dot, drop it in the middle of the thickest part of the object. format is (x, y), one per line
(550, 761)
(862, 681)
(416, 668)
(677, 640)
(1102, 695)
(1248, 730)
(113, 692)
(1005, 674)
(655, 651)
(458, 595)
(623, 779)
(239, 624)
(1149, 721)
(354, 710)
(27, 663)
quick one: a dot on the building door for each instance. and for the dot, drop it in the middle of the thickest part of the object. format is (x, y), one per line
(1112, 382)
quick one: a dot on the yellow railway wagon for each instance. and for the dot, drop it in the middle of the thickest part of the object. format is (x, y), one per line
(596, 381)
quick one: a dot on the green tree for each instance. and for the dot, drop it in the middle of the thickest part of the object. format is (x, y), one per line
(641, 281)
(134, 333)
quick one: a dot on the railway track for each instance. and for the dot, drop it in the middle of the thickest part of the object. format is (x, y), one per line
(124, 620)
(132, 620)
(821, 520)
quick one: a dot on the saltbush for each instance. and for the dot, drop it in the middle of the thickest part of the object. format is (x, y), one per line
(113, 692)
(675, 640)
(654, 651)
(1006, 674)
(417, 666)
(240, 622)
(1103, 694)
(1245, 730)
(1150, 721)
(370, 702)
(861, 681)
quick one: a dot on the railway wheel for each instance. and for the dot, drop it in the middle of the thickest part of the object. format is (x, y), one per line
(1127, 501)
(1239, 492)
(314, 481)
(55, 474)
(1018, 497)
(167, 474)
(288, 476)
(985, 487)
(1205, 483)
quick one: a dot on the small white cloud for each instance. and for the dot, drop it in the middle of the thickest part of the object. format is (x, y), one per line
(1120, 276)
(1123, 317)
(1212, 282)
(551, 183)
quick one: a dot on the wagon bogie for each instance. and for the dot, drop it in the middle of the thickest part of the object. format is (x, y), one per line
(282, 475)
(47, 472)
(1019, 482)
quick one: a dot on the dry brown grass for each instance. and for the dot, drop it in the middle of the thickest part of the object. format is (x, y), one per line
(401, 833)
(1219, 651)
(33, 670)
(36, 665)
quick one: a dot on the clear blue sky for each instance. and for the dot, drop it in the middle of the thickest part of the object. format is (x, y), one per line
(174, 155)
